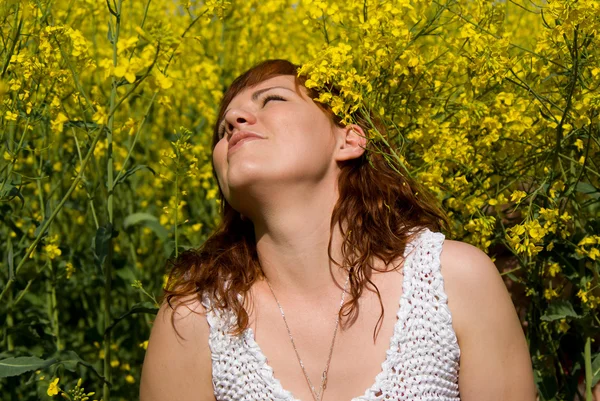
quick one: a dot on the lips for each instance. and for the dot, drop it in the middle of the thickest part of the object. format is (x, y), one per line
(241, 136)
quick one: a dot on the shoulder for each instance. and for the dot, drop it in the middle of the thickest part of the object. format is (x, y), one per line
(495, 363)
(177, 365)
(469, 275)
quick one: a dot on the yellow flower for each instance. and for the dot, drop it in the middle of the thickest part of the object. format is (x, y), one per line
(52, 251)
(58, 123)
(162, 81)
(563, 326)
(535, 230)
(11, 116)
(129, 379)
(550, 293)
(127, 69)
(583, 296)
(144, 345)
(517, 196)
(554, 269)
(53, 388)
(69, 269)
(101, 116)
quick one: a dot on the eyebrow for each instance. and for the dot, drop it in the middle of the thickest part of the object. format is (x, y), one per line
(259, 92)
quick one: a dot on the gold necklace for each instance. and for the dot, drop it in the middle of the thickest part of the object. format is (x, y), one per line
(317, 396)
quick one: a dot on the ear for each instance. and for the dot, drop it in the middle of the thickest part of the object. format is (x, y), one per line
(352, 142)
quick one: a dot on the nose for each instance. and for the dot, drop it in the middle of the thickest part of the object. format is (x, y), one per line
(238, 119)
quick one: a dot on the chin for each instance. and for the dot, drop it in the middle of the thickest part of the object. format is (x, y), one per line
(242, 175)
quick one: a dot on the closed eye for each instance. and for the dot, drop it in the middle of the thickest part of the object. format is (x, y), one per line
(271, 97)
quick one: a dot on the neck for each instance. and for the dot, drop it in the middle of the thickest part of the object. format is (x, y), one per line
(292, 238)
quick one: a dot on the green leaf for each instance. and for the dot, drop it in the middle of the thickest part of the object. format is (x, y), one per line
(9, 192)
(142, 307)
(559, 310)
(588, 189)
(70, 361)
(596, 369)
(10, 259)
(546, 385)
(132, 171)
(101, 244)
(147, 220)
(19, 365)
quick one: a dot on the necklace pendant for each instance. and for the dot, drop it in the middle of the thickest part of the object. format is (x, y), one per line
(324, 381)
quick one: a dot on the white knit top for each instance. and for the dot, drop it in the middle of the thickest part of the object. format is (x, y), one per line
(421, 363)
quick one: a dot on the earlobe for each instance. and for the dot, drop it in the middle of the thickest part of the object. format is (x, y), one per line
(353, 143)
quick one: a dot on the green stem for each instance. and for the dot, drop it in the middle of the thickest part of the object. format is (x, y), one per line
(40, 192)
(55, 324)
(176, 208)
(90, 197)
(110, 205)
(511, 271)
(10, 324)
(588, 369)
(135, 139)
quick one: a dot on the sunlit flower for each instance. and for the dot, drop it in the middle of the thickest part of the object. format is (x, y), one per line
(53, 388)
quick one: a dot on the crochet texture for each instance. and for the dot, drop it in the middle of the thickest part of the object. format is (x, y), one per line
(422, 362)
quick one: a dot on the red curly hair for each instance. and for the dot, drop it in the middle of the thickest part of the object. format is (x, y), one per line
(378, 213)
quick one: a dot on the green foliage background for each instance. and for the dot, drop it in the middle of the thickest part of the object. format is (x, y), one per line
(106, 112)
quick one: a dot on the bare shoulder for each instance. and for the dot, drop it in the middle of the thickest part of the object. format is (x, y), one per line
(495, 363)
(178, 361)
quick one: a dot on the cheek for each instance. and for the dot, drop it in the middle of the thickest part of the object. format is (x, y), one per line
(219, 157)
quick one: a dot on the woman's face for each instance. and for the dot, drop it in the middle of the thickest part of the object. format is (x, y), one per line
(272, 134)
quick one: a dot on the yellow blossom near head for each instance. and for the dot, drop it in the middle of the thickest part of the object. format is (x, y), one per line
(554, 269)
(53, 388)
(563, 326)
(550, 293)
(535, 230)
(516, 196)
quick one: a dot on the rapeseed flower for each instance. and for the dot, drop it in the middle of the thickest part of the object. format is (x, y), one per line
(53, 388)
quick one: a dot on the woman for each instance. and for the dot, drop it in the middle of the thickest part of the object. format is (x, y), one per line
(296, 296)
